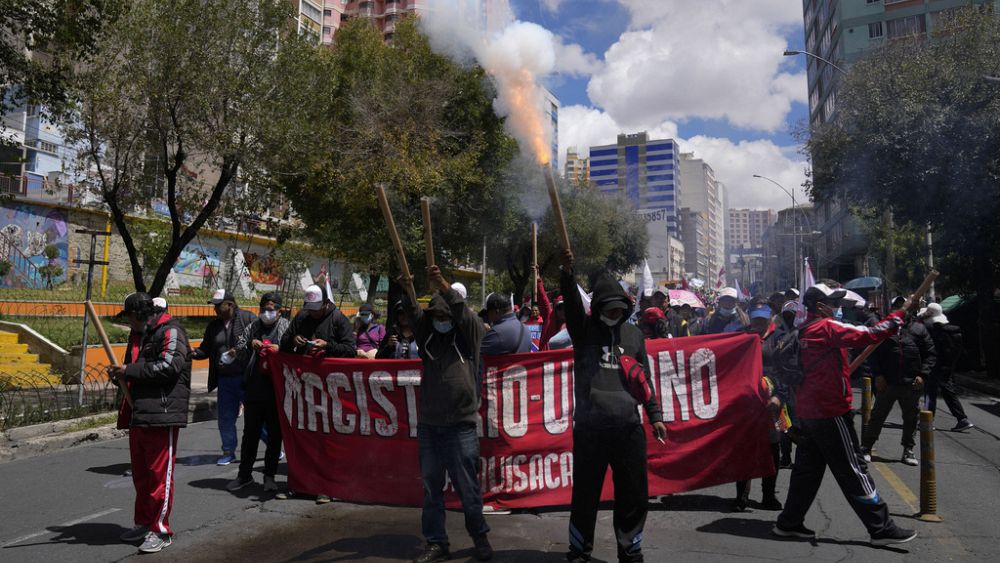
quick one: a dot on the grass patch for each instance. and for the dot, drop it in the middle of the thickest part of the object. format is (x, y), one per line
(67, 332)
(95, 422)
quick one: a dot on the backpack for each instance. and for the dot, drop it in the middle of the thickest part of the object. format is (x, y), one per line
(788, 358)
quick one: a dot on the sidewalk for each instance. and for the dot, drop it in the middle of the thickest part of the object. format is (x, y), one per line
(977, 381)
(30, 441)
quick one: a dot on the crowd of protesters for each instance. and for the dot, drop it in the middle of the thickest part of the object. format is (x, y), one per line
(607, 329)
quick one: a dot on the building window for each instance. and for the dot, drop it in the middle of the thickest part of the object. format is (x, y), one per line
(47, 146)
(875, 30)
(905, 27)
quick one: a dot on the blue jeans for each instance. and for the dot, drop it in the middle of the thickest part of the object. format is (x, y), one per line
(230, 397)
(454, 449)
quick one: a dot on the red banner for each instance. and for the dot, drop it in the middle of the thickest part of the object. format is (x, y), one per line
(350, 426)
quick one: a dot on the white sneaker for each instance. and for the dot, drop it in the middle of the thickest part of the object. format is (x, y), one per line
(155, 542)
(135, 534)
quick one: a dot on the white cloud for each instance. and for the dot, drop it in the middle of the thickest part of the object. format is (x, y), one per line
(551, 5)
(714, 59)
(734, 163)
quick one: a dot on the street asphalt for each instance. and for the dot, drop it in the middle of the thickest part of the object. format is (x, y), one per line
(72, 506)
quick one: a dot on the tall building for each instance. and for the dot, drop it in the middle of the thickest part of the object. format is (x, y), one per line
(702, 192)
(487, 16)
(695, 230)
(309, 18)
(842, 32)
(550, 107)
(577, 167)
(785, 244)
(747, 226)
(643, 171)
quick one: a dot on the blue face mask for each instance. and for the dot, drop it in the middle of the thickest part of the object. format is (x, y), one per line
(838, 313)
(366, 318)
(442, 326)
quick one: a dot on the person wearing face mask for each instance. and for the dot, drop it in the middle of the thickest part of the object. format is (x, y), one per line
(401, 343)
(825, 418)
(157, 371)
(226, 367)
(450, 337)
(726, 317)
(506, 335)
(260, 411)
(367, 333)
(607, 430)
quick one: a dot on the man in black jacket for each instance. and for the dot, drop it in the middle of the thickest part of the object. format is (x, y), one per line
(606, 425)
(320, 329)
(223, 336)
(902, 364)
(158, 376)
(948, 346)
(449, 336)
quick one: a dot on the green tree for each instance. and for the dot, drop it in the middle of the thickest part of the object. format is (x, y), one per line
(42, 42)
(400, 115)
(917, 133)
(189, 101)
(51, 269)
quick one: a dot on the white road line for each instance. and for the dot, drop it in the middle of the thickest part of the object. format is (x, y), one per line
(64, 525)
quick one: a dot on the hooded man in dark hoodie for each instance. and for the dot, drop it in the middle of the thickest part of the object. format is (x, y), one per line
(607, 429)
(449, 337)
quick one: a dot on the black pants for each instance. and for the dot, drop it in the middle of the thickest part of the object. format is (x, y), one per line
(258, 415)
(942, 383)
(767, 484)
(908, 398)
(624, 450)
(833, 442)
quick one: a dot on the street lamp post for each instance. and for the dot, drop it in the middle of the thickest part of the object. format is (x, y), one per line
(791, 53)
(795, 245)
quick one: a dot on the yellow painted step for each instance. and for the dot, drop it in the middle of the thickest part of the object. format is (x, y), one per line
(15, 348)
(27, 369)
(17, 357)
(29, 381)
(8, 337)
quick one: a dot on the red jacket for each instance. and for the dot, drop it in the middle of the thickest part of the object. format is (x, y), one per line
(551, 325)
(825, 391)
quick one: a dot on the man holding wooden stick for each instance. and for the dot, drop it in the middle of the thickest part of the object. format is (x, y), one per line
(825, 417)
(157, 371)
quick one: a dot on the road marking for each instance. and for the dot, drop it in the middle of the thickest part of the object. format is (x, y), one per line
(81, 520)
(908, 497)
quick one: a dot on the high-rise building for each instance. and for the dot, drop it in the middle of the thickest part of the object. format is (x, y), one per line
(695, 230)
(842, 32)
(747, 226)
(550, 107)
(643, 171)
(487, 16)
(577, 167)
(702, 192)
(309, 18)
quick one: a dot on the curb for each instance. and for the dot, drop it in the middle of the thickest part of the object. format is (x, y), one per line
(978, 383)
(31, 441)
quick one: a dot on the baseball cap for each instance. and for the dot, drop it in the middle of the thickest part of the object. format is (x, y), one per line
(160, 302)
(366, 308)
(936, 314)
(791, 292)
(822, 292)
(138, 302)
(760, 311)
(271, 296)
(728, 292)
(460, 288)
(313, 298)
(792, 306)
(652, 315)
(221, 296)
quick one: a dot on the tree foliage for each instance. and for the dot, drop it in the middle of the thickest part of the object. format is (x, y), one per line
(43, 41)
(182, 101)
(917, 132)
(402, 116)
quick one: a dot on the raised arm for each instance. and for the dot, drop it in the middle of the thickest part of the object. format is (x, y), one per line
(576, 317)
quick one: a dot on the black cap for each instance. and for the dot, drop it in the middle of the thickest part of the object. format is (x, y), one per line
(140, 303)
(270, 296)
(365, 308)
(221, 296)
(898, 301)
(497, 302)
(822, 292)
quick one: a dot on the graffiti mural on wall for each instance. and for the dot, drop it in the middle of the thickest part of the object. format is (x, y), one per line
(198, 266)
(25, 231)
(264, 269)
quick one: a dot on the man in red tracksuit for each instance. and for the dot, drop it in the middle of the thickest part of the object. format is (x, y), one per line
(158, 376)
(825, 417)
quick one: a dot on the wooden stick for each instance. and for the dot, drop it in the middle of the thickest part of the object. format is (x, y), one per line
(404, 268)
(108, 350)
(425, 210)
(557, 212)
(534, 262)
(924, 287)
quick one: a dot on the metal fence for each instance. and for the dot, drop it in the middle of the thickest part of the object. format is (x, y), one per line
(33, 398)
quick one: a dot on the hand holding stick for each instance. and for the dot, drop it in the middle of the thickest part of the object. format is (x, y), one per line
(912, 300)
(534, 262)
(404, 268)
(107, 349)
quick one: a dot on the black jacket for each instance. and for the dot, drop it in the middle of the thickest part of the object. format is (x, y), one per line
(449, 386)
(256, 381)
(235, 338)
(601, 398)
(160, 377)
(948, 346)
(334, 328)
(905, 355)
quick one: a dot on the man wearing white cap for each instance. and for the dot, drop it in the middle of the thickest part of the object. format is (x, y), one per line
(948, 345)
(726, 317)
(320, 328)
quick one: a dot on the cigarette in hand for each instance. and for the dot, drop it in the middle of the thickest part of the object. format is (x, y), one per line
(660, 440)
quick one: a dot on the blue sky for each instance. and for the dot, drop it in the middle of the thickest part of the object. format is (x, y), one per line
(709, 73)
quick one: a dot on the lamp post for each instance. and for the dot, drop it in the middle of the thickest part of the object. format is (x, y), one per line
(792, 53)
(795, 245)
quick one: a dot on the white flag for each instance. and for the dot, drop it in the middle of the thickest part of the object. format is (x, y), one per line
(807, 281)
(647, 279)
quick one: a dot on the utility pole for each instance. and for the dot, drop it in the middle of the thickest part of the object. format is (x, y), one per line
(930, 262)
(90, 286)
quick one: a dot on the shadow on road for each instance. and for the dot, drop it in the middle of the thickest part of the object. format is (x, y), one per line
(90, 533)
(113, 469)
(387, 546)
(693, 503)
(747, 528)
(203, 459)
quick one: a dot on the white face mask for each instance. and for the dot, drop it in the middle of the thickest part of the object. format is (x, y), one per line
(608, 321)
(269, 317)
(727, 312)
